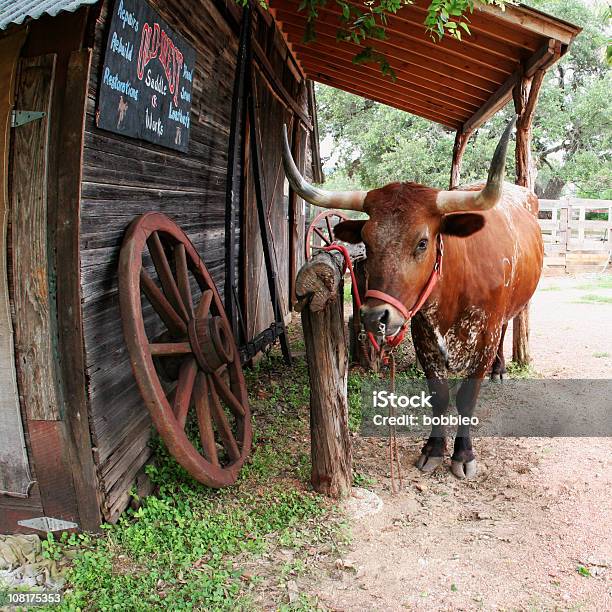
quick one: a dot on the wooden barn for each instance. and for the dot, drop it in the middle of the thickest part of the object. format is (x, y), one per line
(110, 109)
(73, 426)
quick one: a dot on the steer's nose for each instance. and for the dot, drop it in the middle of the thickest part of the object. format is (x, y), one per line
(373, 316)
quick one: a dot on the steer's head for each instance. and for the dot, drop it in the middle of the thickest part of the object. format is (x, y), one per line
(401, 233)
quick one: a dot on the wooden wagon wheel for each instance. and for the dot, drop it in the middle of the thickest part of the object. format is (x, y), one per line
(184, 357)
(321, 231)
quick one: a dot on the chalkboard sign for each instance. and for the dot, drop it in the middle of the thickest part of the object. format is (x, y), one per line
(145, 87)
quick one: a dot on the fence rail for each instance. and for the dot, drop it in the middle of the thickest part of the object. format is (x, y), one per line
(570, 238)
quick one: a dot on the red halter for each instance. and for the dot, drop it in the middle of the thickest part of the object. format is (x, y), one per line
(393, 341)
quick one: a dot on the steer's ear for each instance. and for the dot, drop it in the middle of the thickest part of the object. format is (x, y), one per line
(461, 224)
(349, 231)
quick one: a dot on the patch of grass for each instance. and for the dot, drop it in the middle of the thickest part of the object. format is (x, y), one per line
(599, 355)
(603, 282)
(583, 571)
(516, 370)
(551, 288)
(186, 546)
(593, 298)
(362, 480)
(355, 381)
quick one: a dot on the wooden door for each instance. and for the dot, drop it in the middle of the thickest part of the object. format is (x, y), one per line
(33, 290)
(258, 306)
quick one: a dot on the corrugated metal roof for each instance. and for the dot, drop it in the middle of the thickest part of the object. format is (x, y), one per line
(16, 11)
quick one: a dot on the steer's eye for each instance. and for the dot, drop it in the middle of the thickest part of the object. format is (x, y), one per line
(422, 245)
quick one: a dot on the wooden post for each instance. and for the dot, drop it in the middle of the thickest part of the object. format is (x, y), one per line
(525, 96)
(461, 140)
(319, 289)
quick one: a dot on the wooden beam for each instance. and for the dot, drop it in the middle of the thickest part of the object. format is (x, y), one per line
(446, 121)
(400, 65)
(541, 59)
(406, 74)
(479, 39)
(377, 79)
(342, 80)
(438, 62)
(404, 35)
(69, 296)
(532, 20)
(486, 24)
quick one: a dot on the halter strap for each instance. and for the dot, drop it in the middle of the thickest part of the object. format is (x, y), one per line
(425, 293)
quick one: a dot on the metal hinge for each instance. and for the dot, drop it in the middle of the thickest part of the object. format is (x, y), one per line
(20, 117)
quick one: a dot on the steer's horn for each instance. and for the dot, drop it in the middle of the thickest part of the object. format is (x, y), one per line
(451, 201)
(348, 200)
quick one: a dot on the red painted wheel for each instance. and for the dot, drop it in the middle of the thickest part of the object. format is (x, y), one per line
(182, 351)
(321, 231)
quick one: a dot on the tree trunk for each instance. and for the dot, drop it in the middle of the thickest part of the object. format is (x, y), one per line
(520, 337)
(461, 141)
(319, 288)
(525, 96)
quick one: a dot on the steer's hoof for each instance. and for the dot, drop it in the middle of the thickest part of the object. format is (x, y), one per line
(427, 464)
(464, 470)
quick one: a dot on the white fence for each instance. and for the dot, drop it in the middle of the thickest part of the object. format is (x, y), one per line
(570, 238)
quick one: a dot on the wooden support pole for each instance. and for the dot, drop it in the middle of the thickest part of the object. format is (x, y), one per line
(461, 140)
(525, 95)
(319, 289)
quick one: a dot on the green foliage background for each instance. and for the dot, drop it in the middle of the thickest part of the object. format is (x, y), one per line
(572, 136)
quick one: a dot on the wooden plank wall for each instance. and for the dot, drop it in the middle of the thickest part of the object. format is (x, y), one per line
(123, 178)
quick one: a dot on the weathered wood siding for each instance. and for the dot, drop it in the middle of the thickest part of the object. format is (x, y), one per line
(123, 178)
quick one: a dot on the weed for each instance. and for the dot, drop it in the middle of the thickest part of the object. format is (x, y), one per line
(516, 370)
(185, 546)
(363, 480)
(599, 355)
(583, 571)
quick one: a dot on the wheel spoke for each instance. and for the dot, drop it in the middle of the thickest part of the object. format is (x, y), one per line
(329, 228)
(184, 390)
(202, 407)
(204, 306)
(165, 274)
(163, 349)
(226, 393)
(223, 426)
(162, 306)
(182, 276)
(321, 235)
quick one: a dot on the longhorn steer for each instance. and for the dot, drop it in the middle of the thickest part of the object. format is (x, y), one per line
(492, 262)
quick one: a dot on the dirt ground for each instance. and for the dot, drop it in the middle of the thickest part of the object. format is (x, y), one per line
(531, 532)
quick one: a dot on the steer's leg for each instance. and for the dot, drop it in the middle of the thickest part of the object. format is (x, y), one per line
(499, 364)
(463, 461)
(432, 454)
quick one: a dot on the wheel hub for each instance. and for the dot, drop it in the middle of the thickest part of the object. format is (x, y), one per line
(210, 340)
